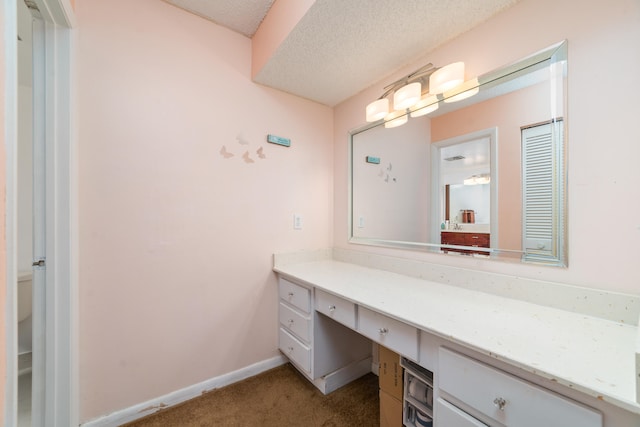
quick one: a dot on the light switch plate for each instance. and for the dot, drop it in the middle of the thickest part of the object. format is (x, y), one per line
(297, 222)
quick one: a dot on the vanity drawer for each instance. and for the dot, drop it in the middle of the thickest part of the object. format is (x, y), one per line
(450, 416)
(296, 295)
(452, 238)
(395, 335)
(336, 308)
(296, 351)
(478, 239)
(295, 322)
(508, 399)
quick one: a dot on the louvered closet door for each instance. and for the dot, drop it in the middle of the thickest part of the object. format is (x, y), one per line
(540, 185)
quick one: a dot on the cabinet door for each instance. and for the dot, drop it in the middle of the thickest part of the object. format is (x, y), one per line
(450, 416)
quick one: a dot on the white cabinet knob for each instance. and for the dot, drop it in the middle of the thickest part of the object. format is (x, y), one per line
(290, 321)
(290, 349)
(383, 331)
(500, 403)
(332, 308)
(290, 294)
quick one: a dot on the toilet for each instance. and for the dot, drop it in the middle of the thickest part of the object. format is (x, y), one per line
(25, 298)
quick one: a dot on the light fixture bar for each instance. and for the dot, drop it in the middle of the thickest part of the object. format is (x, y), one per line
(415, 93)
(418, 75)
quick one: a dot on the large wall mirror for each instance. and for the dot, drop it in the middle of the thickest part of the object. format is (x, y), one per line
(484, 176)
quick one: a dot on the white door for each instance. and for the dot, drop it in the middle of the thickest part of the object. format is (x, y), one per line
(30, 225)
(54, 309)
(39, 229)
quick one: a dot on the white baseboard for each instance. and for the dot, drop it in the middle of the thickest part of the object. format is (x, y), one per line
(140, 410)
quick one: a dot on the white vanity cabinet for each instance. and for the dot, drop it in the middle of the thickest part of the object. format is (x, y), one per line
(326, 352)
(576, 370)
(498, 398)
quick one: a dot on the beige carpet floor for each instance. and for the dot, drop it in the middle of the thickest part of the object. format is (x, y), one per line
(280, 397)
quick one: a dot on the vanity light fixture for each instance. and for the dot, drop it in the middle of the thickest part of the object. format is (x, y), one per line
(395, 119)
(478, 179)
(428, 104)
(407, 96)
(446, 78)
(415, 94)
(463, 91)
(377, 110)
(406, 93)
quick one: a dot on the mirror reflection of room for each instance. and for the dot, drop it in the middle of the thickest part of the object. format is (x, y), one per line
(465, 177)
(465, 171)
(480, 188)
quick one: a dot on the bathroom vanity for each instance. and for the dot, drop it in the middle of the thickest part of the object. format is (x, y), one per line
(464, 238)
(496, 358)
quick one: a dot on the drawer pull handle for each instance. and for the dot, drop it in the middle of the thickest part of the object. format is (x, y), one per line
(290, 294)
(500, 403)
(332, 308)
(383, 331)
(290, 349)
(290, 321)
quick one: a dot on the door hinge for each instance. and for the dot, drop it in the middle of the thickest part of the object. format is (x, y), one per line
(40, 263)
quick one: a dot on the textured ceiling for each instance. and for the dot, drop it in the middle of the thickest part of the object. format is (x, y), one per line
(242, 16)
(341, 47)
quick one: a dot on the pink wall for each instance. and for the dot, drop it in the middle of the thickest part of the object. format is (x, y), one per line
(176, 241)
(603, 149)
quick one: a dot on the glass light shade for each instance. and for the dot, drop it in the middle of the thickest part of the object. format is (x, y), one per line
(474, 89)
(470, 181)
(395, 119)
(426, 105)
(478, 179)
(407, 96)
(446, 78)
(377, 110)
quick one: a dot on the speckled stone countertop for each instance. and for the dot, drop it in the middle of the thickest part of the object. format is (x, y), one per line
(590, 354)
